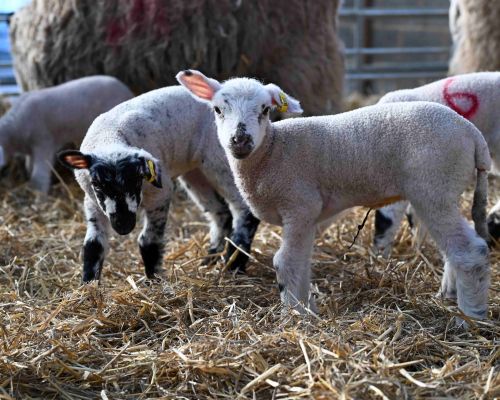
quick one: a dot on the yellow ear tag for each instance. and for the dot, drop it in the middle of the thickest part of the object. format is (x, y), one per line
(284, 104)
(152, 171)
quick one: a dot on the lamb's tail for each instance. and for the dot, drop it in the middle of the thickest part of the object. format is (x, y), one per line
(479, 203)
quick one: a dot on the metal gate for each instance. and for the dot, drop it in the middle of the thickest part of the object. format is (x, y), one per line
(413, 63)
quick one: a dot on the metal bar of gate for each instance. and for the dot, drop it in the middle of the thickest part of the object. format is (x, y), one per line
(361, 71)
(388, 12)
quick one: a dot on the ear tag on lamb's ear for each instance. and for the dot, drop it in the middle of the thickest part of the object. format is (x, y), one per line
(151, 176)
(284, 104)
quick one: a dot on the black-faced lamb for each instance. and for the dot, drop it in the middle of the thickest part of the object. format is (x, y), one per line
(41, 122)
(301, 171)
(156, 137)
(475, 97)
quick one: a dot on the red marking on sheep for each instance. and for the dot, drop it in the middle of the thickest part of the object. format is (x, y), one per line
(451, 98)
(143, 17)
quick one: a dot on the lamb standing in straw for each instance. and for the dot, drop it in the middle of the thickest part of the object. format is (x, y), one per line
(158, 136)
(41, 122)
(299, 172)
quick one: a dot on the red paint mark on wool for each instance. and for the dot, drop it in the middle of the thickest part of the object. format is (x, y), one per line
(467, 111)
(144, 17)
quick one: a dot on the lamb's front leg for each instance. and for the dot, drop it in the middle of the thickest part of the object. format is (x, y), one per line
(95, 245)
(152, 238)
(41, 172)
(293, 264)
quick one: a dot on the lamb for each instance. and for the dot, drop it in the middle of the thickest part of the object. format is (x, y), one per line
(300, 171)
(475, 97)
(41, 122)
(156, 137)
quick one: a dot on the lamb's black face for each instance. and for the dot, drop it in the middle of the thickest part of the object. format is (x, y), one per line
(118, 188)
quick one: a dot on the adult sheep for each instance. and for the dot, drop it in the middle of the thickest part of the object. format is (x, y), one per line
(144, 43)
(476, 36)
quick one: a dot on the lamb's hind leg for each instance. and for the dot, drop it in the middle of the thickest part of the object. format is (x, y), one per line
(493, 222)
(467, 269)
(244, 223)
(387, 222)
(244, 228)
(216, 209)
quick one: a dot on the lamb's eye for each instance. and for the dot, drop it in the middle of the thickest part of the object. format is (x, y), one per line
(217, 110)
(265, 111)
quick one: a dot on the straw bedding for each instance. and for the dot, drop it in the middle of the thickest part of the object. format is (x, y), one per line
(202, 333)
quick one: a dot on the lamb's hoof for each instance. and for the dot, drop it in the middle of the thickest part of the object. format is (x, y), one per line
(299, 307)
(239, 263)
(384, 252)
(154, 277)
(210, 259)
(448, 295)
(461, 323)
(493, 222)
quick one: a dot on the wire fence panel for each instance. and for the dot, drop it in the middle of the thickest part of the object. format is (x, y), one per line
(396, 46)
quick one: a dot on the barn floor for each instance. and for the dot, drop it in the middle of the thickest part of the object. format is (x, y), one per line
(203, 333)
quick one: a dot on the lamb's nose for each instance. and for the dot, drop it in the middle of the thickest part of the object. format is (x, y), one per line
(240, 138)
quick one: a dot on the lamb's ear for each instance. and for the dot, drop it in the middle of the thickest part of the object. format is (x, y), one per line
(152, 171)
(284, 103)
(200, 86)
(74, 159)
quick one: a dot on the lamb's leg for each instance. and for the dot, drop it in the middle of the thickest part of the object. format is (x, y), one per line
(493, 221)
(95, 245)
(41, 173)
(244, 222)
(245, 225)
(467, 268)
(152, 237)
(448, 288)
(292, 264)
(387, 222)
(207, 199)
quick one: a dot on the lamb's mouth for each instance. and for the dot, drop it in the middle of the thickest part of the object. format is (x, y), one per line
(241, 153)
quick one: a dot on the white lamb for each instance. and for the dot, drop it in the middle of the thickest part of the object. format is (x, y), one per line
(156, 137)
(475, 97)
(41, 122)
(301, 171)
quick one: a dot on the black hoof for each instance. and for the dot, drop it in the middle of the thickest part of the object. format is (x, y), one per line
(493, 222)
(86, 279)
(211, 258)
(239, 263)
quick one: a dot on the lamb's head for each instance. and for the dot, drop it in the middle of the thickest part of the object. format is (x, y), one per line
(117, 182)
(241, 107)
